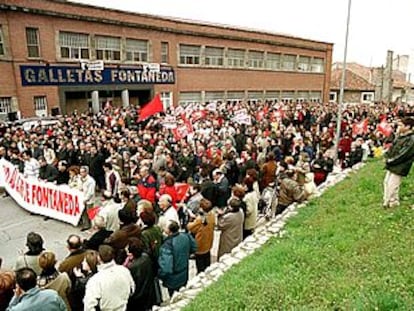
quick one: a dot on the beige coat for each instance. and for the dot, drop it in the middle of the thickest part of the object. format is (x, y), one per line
(231, 226)
(252, 201)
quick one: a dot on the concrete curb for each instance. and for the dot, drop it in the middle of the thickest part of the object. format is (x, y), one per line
(262, 234)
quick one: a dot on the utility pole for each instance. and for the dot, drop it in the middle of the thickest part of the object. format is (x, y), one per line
(341, 90)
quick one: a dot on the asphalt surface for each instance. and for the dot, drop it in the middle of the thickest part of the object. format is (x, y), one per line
(16, 223)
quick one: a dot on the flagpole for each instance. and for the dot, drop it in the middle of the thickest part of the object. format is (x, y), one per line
(341, 90)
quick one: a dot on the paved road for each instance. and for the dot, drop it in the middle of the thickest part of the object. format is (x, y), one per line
(15, 223)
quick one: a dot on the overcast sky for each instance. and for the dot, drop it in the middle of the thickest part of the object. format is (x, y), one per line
(376, 25)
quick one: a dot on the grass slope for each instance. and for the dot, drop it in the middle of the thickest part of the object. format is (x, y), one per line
(343, 251)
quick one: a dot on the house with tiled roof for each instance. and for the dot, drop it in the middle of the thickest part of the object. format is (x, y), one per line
(365, 84)
(357, 89)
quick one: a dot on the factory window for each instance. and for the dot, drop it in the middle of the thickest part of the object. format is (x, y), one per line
(108, 48)
(289, 62)
(74, 45)
(190, 54)
(317, 65)
(165, 55)
(273, 61)
(5, 105)
(256, 59)
(136, 50)
(32, 40)
(235, 58)
(214, 56)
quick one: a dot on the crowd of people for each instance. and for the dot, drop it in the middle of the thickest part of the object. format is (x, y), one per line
(146, 230)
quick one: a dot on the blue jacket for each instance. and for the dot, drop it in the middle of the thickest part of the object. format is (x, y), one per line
(36, 299)
(173, 260)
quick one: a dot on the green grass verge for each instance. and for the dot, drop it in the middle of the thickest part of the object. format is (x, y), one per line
(343, 251)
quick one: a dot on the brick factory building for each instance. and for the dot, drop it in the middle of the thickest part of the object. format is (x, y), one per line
(58, 56)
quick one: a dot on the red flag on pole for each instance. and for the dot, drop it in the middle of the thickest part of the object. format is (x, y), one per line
(151, 108)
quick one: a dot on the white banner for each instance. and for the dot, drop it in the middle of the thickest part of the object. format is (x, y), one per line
(169, 122)
(242, 119)
(211, 106)
(44, 198)
(242, 111)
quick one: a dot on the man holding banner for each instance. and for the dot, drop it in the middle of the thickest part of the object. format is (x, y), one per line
(88, 185)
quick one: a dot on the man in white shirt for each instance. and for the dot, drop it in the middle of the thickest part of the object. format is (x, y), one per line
(169, 213)
(111, 287)
(109, 212)
(31, 165)
(88, 185)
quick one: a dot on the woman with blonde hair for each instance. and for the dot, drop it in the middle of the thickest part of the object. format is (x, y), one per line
(74, 177)
(50, 278)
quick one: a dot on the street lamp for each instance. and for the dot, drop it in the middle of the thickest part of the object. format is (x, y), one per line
(341, 90)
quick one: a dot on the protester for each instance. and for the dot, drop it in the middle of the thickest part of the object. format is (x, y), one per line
(50, 278)
(129, 203)
(109, 211)
(63, 173)
(202, 227)
(290, 191)
(47, 172)
(87, 187)
(174, 254)
(27, 296)
(75, 257)
(119, 238)
(7, 286)
(141, 268)
(230, 223)
(31, 165)
(30, 259)
(252, 201)
(151, 236)
(111, 287)
(82, 275)
(169, 213)
(98, 235)
(147, 185)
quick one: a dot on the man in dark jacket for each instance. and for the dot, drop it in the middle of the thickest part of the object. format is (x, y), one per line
(399, 159)
(144, 296)
(100, 233)
(96, 170)
(47, 172)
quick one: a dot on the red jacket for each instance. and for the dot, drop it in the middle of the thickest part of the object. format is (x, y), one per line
(147, 187)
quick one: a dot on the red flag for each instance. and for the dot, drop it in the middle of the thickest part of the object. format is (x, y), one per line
(360, 128)
(181, 189)
(151, 108)
(92, 212)
(385, 128)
